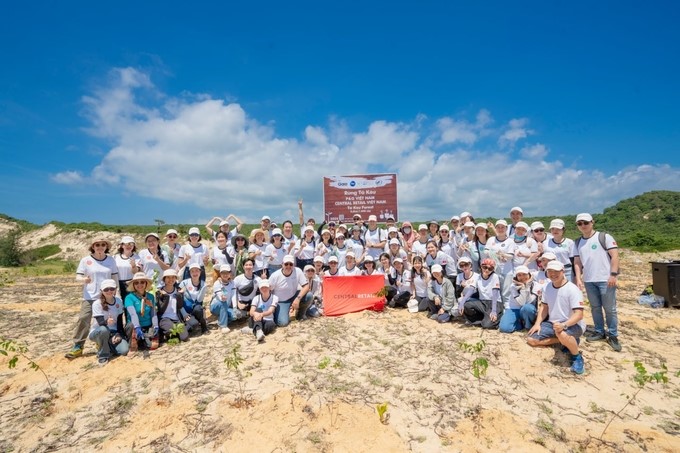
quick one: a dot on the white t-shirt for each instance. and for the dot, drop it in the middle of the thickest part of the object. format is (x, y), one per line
(451, 249)
(503, 252)
(218, 256)
(525, 247)
(195, 254)
(242, 282)
(222, 289)
(403, 281)
(418, 248)
(561, 301)
(171, 310)
(98, 271)
(110, 315)
(594, 259)
(487, 286)
(286, 286)
(150, 265)
(461, 281)
(264, 305)
(341, 253)
(357, 247)
(275, 256)
(195, 293)
(124, 266)
(374, 237)
(420, 285)
(308, 250)
(260, 262)
(349, 272)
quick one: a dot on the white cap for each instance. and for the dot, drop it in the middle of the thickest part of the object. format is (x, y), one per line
(350, 255)
(369, 258)
(325, 231)
(289, 259)
(224, 222)
(444, 227)
(469, 224)
(536, 225)
(436, 268)
(522, 225)
(318, 258)
(465, 214)
(194, 230)
(339, 235)
(481, 225)
(332, 259)
(584, 216)
(412, 306)
(394, 241)
(194, 266)
(372, 218)
(108, 283)
(501, 222)
(464, 259)
(518, 209)
(342, 225)
(169, 273)
(392, 230)
(171, 231)
(397, 260)
(149, 235)
(263, 283)
(521, 270)
(265, 217)
(555, 266)
(309, 267)
(455, 217)
(277, 231)
(422, 226)
(308, 228)
(225, 268)
(557, 223)
(548, 256)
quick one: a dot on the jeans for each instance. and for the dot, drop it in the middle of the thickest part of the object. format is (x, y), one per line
(222, 310)
(515, 319)
(281, 313)
(102, 336)
(602, 297)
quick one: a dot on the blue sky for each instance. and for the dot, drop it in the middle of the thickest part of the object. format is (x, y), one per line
(129, 112)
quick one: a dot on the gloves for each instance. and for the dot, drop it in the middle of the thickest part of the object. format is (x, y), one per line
(155, 332)
(139, 332)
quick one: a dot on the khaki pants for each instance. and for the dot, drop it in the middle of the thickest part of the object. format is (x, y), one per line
(82, 329)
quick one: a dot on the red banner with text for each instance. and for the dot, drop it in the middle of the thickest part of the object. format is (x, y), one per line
(344, 196)
(351, 294)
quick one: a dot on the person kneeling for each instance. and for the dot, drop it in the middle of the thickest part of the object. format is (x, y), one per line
(107, 324)
(563, 306)
(170, 308)
(262, 312)
(486, 310)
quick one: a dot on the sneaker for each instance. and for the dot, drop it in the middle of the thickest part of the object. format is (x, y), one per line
(205, 331)
(259, 335)
(596, 336)
(76, 351)
(434, 316)
(577, 365)
(247, 330)
(614, 343)
(225, 329)
(103, 361)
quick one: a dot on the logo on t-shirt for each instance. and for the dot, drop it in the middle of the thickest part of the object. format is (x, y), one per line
(594, 246)
(88, 262)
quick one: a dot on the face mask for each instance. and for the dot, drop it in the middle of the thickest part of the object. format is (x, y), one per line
(520, 238)
(407, 231)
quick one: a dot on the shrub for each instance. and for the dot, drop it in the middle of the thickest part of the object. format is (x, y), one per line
(10, 255)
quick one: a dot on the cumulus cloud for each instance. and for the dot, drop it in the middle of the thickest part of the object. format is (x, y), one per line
(198, 151)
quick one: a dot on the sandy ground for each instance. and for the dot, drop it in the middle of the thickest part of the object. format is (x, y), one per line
(314, 385)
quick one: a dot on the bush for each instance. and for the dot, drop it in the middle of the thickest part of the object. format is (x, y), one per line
(10, 254)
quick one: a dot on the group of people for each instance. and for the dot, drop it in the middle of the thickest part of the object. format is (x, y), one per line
(509, 276)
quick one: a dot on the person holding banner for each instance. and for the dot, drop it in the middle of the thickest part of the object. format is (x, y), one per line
(369, 266)
(284, 284)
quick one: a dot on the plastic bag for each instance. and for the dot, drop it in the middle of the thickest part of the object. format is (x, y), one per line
(651, 300)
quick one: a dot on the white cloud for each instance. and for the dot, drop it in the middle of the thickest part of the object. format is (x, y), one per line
(67, 177)
(203, 152)
(515, 130)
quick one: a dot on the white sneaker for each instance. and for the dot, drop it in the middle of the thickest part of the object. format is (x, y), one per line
(259, 335)
(246, 330)
(225, 329)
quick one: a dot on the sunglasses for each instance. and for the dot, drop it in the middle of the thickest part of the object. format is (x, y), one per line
(464, 265)
(102, 244)
(488, 268)
(140, 283)
(108, 290)
(287, 264)
(194, 235)
(582, 222)
(172, 236)
(310, 270)
(539, 230)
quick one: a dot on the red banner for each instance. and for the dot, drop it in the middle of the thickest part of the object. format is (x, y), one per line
(344, 196)
(351, 294)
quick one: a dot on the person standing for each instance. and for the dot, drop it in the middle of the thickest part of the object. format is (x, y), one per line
(596, 269)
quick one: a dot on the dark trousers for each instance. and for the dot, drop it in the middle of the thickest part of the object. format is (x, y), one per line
(478, 313)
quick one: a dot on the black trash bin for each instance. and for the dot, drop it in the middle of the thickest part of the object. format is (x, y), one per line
(666, 281)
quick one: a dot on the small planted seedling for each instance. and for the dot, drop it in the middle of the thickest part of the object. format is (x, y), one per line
(382, 413)
(174, 333)
(17, 350)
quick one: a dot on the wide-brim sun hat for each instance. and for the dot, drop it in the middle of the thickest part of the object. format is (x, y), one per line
(233, 240)
(100, 239)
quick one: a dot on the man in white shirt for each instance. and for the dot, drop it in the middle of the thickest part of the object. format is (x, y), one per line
(596, 268)
(291, 287)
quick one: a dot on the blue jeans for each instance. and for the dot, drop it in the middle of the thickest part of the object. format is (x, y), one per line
(602, 297)
(223, 311)
(281, 313)
(515, 319)
(102, 336)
